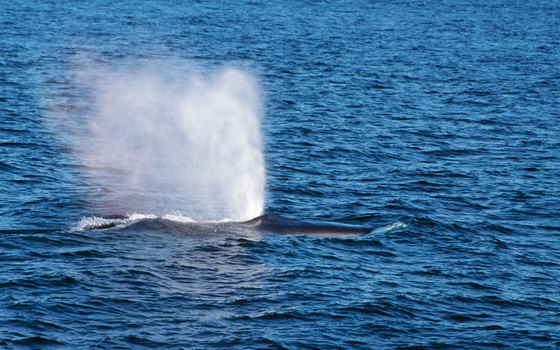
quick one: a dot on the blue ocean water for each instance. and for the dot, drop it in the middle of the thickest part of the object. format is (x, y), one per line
(435, 124)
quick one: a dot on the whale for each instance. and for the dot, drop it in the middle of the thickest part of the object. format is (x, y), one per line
(275, 224)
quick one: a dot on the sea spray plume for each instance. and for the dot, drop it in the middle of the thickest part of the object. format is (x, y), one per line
(165, 143)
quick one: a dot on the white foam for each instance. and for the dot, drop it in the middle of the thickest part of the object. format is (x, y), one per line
(94, 222)
(137, 216)
(391, 227)
(177, 218)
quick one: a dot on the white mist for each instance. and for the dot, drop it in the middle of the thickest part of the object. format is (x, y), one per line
(177, 143)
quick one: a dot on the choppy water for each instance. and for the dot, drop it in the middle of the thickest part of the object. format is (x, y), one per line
(433, 124)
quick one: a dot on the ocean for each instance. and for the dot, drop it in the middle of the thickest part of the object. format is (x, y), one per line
(280, 175)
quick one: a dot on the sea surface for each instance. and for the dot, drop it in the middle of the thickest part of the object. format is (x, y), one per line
(433, 124)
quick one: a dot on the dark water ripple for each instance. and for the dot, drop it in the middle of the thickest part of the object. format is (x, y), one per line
(436, 124)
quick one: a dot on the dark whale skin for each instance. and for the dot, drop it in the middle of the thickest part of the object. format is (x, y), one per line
(284, 225)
